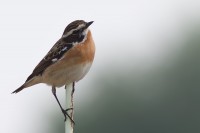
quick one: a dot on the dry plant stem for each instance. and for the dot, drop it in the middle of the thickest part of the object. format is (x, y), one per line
(69, 125)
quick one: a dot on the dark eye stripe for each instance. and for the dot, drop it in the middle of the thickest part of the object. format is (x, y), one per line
(73, 38)
(76, 32)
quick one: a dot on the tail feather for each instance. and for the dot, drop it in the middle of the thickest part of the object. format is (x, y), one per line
(28, 83)
(19, 89)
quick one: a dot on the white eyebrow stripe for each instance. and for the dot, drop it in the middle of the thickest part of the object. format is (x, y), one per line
(71, 31)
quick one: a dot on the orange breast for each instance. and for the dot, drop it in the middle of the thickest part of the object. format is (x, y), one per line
(82, 52)
(69, 69)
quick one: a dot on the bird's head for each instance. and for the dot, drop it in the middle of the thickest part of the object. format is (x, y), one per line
(76, 31)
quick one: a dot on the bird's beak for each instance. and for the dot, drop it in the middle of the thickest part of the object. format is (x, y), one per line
(89, 23)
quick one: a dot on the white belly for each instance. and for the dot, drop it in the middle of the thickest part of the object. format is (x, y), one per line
(67, 75)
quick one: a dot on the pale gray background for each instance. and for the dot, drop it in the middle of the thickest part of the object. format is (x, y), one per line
(134, 40)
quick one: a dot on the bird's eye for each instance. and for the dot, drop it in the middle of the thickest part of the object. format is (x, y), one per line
(79, 31)
(76, 32)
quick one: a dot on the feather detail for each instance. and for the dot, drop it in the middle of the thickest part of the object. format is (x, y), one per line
(65, 52)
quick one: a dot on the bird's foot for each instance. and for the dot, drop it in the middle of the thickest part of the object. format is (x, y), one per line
(64, 111)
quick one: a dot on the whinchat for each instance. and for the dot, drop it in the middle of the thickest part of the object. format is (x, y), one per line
(68, 61)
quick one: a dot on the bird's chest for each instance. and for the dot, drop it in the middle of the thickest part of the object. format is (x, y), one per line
(73, 66)
(67, 75)
(79, 71)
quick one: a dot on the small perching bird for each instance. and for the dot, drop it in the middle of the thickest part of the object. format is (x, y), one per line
(68, 61)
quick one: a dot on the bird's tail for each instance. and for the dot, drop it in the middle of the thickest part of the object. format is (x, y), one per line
(33, 81)
(19, 89)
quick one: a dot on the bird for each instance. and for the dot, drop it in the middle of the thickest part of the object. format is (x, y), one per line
(68, 61)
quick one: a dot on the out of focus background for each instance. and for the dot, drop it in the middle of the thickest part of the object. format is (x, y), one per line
(145, 77)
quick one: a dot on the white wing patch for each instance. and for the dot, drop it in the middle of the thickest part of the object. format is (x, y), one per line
(54, 60)
(65, 48)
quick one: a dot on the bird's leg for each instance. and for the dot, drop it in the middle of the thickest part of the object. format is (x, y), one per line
(64, 111)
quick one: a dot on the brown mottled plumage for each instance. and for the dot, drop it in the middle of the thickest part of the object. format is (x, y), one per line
(83, 51)
(68, 61)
